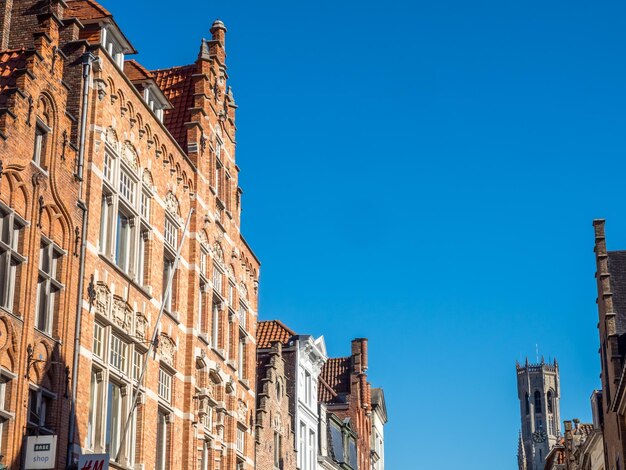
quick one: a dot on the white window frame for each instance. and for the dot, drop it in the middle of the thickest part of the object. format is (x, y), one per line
(48, 285)
(165, 385)
(9, 252)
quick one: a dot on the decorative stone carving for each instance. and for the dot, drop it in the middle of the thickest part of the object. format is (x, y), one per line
(218, 252)
(242, 411)
(121, 314)
(141, 326)
(146, 177)
(129, 155)
(103, 299)
(171, 204)
(111, 137)
(167, 349)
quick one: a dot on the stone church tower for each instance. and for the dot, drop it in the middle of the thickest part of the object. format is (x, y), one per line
(538, 390)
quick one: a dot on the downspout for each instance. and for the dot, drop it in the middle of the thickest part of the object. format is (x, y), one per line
(87, 60)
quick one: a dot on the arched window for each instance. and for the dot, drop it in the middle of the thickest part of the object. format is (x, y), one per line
(527, 401)
(550, 407)
(537, 402)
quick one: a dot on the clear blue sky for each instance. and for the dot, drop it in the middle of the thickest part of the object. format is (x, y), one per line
(425, 174)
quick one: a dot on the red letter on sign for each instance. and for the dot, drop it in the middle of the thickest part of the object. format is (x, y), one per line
(87, 466)
(98, 465)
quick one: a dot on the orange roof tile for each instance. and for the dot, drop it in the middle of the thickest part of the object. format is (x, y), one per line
(136, 72)
(177, 85)
(12, 65)
(335, 374)
(269, 332)
(86, 10)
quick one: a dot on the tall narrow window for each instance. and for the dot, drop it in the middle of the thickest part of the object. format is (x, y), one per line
(5, 382)
(123, 241)
(10, 259)
(527, 403)
(168, 270)
(41, 138)
(277, 445)
(48, 284)
(162, 444)
(94, 411)
(114, 419)
(549, 401)
(215, 326)
(302, 446)
(241, 357)
(537, 402)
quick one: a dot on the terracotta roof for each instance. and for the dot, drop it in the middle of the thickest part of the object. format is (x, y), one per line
(177, 85)
(325, 392)
(584, 430)
(12, 66)
(86, 10)
(336, 373)
(269, 332)
(136, 72)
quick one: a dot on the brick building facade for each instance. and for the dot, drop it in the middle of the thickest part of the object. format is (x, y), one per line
(611, 285)
(304, 357)
(103, 165)
(346, 393)
(275, 441)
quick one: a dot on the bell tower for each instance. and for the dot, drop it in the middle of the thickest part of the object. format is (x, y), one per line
(538, 390)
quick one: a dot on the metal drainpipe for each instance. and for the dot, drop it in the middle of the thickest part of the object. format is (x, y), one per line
(88, 59)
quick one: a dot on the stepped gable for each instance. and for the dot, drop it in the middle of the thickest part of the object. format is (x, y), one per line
(12, 66)
(176, 83)
(272, 331)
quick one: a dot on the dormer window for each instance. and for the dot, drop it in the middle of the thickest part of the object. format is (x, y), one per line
(154, 103)
(113, 45)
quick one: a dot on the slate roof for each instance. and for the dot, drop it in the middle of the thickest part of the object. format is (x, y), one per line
(617, 269)
(269, 332)
(336, 374)
(86, 10)
(12, 66)
(177, 85)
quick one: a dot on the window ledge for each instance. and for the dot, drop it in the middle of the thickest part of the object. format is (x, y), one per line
(245, 383)
(17, 316)
(40, 168)
(48, 335)
(204, 338)
(173, 315)
(220, 352)
(6, 415)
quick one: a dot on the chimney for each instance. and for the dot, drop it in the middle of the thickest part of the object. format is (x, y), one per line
(359, 352)
(218, 32)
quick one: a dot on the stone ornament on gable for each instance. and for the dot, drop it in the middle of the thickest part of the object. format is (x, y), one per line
(146, 177)
(242, 411)
(219, 253)
(166, 349)
(111, 137)
(103, 299)
(129, 154)
(141, 326)
(171, 204)
(121, 314)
